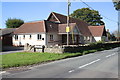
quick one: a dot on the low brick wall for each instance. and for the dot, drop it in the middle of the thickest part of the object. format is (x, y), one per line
(54, 50)
(73, 48)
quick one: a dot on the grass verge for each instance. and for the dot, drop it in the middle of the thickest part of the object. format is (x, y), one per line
(27, 58)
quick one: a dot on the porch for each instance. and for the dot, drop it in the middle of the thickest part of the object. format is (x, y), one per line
(75, 39)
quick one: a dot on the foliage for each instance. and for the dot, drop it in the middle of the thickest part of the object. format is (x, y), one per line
(96, 43)
(92, 17)
(117, 5)
(14, 23)
(113, 38)
(109, 35)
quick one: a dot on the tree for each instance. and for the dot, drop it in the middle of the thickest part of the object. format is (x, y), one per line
(116, 34)
(14, 23)
(117, 7)
(113, 38)
(92, 17)
(108, 35)
(116, 4)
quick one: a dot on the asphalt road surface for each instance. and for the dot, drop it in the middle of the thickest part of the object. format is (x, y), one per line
(9, 52)
(103, 64)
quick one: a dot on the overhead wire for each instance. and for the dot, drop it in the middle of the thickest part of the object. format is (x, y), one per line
(100, 13)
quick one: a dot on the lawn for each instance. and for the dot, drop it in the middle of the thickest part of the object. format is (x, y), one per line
(27, 58)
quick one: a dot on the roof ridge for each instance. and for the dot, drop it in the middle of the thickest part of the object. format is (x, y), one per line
(58, 13)
(66, 23)
(69, 16)
(34, 21)
(97, 26)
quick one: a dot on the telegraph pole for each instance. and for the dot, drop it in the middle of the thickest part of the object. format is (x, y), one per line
(118, 24)
(68, 28)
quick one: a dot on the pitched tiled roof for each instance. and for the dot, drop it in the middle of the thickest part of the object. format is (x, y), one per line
(83, 26)
(7, 31)
(62, 27)
(31, 27)
(97, 31)
(51, 26)
(37, 27)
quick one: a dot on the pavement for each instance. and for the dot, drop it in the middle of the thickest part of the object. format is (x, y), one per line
(103, 64)
(8, 52)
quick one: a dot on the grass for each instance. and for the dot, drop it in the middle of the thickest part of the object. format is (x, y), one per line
(27, 58)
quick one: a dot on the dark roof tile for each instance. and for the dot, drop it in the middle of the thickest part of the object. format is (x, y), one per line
(31, 27)
(97, 31)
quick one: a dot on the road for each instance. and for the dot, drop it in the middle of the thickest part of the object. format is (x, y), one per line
(103, 64)
(9, 52)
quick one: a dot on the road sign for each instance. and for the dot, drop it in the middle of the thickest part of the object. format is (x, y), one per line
(67, 29)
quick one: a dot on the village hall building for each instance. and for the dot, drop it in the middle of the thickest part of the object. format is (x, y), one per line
(53, 32)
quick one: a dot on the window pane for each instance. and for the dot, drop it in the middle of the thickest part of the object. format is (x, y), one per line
(39, 36)
(30, 36)
(16, 37)
(51, 37)
(23, 36)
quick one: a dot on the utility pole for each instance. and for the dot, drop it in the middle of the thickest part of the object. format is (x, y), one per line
(118, 24)
(68, 28)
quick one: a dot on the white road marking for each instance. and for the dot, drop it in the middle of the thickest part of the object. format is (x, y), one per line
(59, 61)
(110, 55)
(89, 63)
(71, 71)
(113, 54)
(2, 72)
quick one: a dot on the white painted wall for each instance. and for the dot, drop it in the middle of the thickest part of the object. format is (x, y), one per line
(98, 38)
(56, 39)
(32, 41)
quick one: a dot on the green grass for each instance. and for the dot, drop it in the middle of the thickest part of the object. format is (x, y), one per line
(27, 58)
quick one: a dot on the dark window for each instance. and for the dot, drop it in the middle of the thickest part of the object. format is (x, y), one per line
(51, 37)
(16, 37)
(39, 36)
(30, 36)
(23, 36)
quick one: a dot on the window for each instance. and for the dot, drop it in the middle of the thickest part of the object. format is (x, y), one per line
(39, 36)
(16, 37)
(51, 37)
(42, 38)
(88, 38)
(23, 36)
(85, 38)
(30, 36)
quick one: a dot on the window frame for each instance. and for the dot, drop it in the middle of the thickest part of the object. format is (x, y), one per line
(23, 36)
(16, 37)
(39, 36)
(51, 37)
(30, 36)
